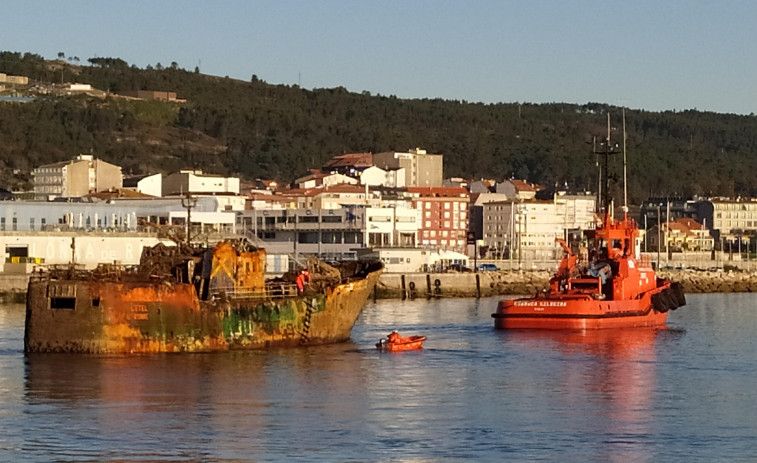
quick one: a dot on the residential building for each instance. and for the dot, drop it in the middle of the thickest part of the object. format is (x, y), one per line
(519, 190)
(194, 181)
(457, 182)
(126, 214)
(332, 197)
(476, 211)
(13, 80)
(483, 186)
(421, 169)
(391, 226)
(317, 179)
(443, 217)
(532, 226)
(76, 178)
(339, 196)
(577, 212)
(684, 234)
(150, 95)
(147, 184)
(352, 164)
(376, 176)
(728, 218)
(330, 234)
(657, 210)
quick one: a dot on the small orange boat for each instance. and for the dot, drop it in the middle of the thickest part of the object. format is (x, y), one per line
(395, 343)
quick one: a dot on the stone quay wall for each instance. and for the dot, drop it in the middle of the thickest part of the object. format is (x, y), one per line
(483, 284)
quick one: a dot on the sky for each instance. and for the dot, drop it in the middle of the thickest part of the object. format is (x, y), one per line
(655, 55)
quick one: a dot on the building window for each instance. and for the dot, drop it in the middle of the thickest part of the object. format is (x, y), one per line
(307, 237)
(15, 224)
(331, 237)
(31, 223)
(353, 237)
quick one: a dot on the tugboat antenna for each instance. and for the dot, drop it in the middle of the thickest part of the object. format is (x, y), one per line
(625, 170)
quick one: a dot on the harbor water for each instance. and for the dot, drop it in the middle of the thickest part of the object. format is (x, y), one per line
(687, 393)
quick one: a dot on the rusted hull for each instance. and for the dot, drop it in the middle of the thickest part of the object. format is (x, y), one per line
(578, 314)
(123, 318)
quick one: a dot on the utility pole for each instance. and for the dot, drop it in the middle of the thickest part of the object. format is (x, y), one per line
(189, 202)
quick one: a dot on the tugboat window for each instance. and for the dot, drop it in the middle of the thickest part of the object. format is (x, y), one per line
(63, 303)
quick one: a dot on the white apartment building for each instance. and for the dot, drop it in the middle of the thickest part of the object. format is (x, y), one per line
(376, 176)
(146, 184)
(195, 182)
(391, 226)
(527, 230)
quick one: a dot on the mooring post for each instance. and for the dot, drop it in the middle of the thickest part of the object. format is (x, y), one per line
(478, 287)
(428, 285)
(404, 292)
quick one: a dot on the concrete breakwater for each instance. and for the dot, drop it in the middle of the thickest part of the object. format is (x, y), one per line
(485, 284)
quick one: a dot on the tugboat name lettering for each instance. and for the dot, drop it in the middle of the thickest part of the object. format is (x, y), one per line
(541, 303)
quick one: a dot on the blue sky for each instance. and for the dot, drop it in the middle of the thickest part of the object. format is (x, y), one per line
(653, 55)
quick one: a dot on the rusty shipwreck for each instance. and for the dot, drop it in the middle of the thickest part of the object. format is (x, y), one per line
(192, 299)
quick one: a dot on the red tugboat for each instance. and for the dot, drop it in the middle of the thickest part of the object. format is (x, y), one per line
(614, 289)
(617, 289)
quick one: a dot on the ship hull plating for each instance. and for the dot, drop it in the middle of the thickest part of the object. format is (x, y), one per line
(104, 317)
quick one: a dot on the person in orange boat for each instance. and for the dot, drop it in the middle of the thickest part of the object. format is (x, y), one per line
(394, 337)
(303, 278)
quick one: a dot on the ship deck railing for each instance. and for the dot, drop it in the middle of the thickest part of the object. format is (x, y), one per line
(270, 291)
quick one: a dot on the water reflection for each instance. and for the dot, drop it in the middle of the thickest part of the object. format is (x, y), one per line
(472, 394)
(171, 405)
(613, 377)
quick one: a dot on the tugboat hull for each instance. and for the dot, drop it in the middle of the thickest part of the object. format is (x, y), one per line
(576, 315)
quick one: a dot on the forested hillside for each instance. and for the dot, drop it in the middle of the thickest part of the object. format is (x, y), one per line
(258, 130)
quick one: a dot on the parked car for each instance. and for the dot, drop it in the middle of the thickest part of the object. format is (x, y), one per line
(458, 268)
(487, 268)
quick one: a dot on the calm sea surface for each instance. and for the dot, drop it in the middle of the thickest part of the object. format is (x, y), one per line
(688, 394)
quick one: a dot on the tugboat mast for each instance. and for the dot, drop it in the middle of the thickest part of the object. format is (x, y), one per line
(603, 201)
